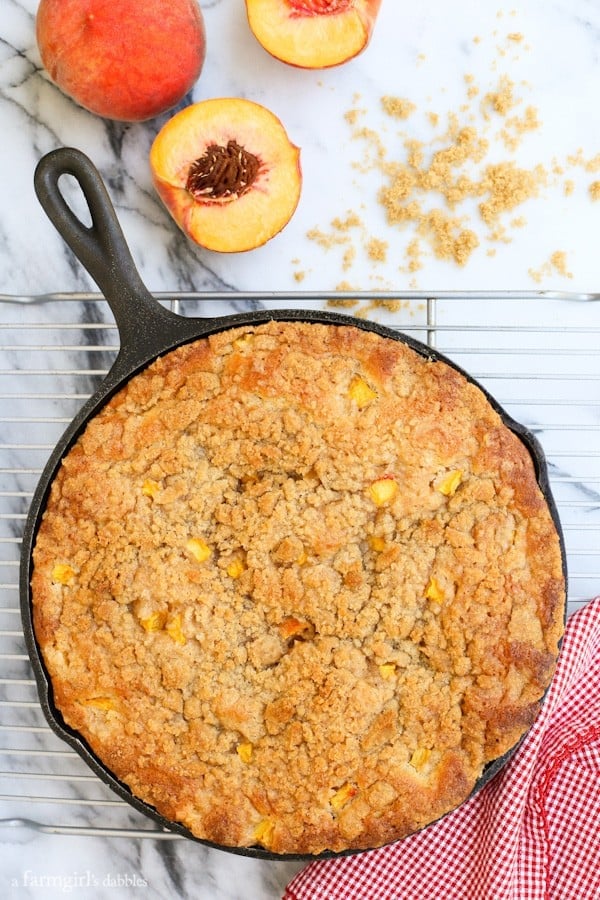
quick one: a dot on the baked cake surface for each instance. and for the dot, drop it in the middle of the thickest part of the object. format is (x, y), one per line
(296, 585)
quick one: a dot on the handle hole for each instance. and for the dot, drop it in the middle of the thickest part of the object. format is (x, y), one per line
(71, 192)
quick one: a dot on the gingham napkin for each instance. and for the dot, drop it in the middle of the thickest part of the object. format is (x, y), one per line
(533, 833)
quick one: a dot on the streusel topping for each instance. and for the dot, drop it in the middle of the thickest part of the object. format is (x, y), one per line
(296, 585)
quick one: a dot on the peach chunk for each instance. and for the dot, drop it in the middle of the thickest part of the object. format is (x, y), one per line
(122, 59)
(313, 34)
(227, 172)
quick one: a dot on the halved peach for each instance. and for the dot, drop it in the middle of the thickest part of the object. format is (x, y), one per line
(313, 34)
(227, 172)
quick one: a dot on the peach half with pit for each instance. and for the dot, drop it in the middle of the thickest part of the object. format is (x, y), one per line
(313, 34)
(227, 173)
(122, 59)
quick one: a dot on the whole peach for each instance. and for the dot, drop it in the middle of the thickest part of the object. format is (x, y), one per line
(122, 59)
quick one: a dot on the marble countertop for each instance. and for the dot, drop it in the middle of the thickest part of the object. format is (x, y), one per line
(517, 87)
(446, 64)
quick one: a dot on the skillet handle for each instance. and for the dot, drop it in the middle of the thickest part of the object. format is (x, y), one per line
(101, 247)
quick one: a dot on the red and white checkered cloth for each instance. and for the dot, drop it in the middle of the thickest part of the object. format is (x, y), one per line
(532, 833)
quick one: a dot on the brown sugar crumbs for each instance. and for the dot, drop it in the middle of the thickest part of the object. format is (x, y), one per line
(502, 100)
(456, 173)
(557, 264)
(498, 188)
(377, 250)
(594, 190)
(451, 194)
(397, 107)
(343, 234)
(506, 186)
(450, 169)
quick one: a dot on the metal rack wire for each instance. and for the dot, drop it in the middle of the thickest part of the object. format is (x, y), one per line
(545, 372)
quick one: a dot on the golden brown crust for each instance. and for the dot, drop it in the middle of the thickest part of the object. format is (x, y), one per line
(296, 585)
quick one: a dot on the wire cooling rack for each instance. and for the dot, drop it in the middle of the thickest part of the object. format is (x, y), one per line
(538, 355)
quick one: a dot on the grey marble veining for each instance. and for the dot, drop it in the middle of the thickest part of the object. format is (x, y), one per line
(545, 374)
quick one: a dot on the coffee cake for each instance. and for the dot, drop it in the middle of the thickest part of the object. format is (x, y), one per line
(296, 585)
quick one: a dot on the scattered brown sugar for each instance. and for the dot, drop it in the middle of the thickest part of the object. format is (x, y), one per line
(326, 241)
(593, 165)
(576, 159)
(345, 286)
(537, 274)
(343, 302)
(516, 41)
(348, 258)
(507, 187)
(557, 264)
(517, 126)
(397, 107)
(390, 305)
(375, 149)
(447, 173)
(594, 190)
(449, 195)
(588, 165)
(414, 255)
(449, 240)
(380, 303)
(348, 232)
(377, 250)
(352, 220)
(472, 89)
(502, 187)
(502, 100)
(353, 115)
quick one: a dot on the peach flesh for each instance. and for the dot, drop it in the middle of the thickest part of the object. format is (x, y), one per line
(313, 34)
(320, 7)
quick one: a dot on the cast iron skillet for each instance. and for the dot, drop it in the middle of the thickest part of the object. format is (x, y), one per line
(146, 331)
